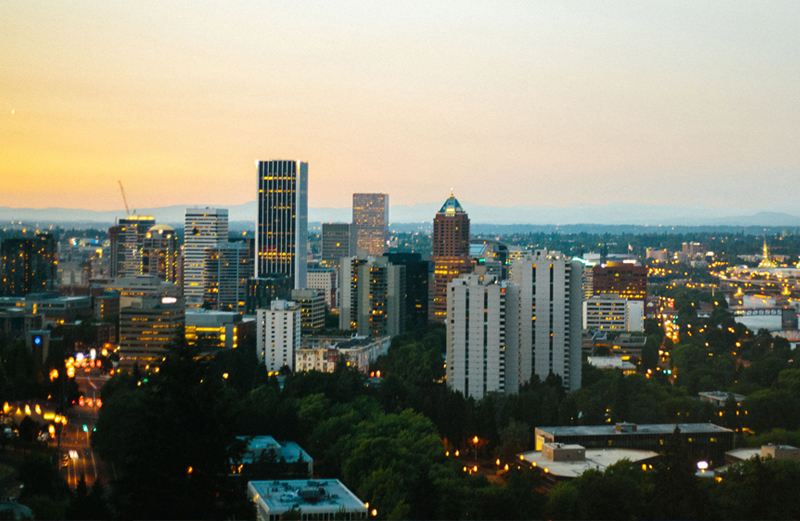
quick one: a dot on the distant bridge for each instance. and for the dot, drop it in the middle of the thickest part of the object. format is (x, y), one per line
(757, 312)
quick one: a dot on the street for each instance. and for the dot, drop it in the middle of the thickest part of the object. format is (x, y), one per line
(75, 441)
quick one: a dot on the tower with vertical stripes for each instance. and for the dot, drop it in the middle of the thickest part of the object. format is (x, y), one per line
(282, 220)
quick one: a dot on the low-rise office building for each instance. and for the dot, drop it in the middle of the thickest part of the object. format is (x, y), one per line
(147, 327)
(319, 499)
(210, 329)
(323, 354)
(780, 452)
(288, 452)
(561, 462)
(612, 362)
(704, 441)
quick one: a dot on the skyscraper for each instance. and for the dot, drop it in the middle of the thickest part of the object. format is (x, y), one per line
(28, 265)
(417, 287)
(373, 294)
(282, 220)
(482, 337)
(370, 220)
(338, 241)
(550, 317)
(160, 253)
(450, 257)
(126, 240)
(203, 228)
(227, 268)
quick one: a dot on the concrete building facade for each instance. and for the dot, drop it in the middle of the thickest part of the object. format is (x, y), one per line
(482, 336)
(550, 316)
(278, 331)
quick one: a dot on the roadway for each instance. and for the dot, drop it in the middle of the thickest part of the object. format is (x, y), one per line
(75, 442)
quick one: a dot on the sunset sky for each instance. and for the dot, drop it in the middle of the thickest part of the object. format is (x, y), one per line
(552, 103)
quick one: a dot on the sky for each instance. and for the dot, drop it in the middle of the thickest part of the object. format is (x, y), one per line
(506, 102)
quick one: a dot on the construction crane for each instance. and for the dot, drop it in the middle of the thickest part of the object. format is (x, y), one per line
(124, 200)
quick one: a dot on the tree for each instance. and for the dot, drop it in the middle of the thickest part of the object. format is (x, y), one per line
(677, 495)
(171, 438)
(514, 438)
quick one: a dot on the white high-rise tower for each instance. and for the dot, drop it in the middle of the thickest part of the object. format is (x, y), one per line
(550, 316)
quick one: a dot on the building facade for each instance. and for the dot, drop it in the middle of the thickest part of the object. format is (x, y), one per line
(338, 241)
(282, 220)
(550, 317)
(28, 265)
(126, 239)
(227, 269)
(325, 280)
(278, 331)
(450, 257)
(312, 309)
(203, 228)
(373, 294)
(147, 327)
(161, 253)
(261, 291)
(482, 336)
(370, 223)
(418, 273)
(213, 330)
(625, 279)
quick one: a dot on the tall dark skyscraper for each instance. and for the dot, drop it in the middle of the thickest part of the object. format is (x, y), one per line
(28, 265)
(282, 220)
(338, 241)
(417, 289)
(126, 240)
(450, 257)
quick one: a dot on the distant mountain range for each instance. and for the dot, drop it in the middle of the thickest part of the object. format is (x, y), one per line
(611, 214)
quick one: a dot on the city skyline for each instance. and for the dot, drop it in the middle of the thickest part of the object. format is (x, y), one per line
(568, 103)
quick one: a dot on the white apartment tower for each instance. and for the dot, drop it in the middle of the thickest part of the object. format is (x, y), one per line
(279, 330)
(550, 316)
(482, 336)
(282, 220)
(203, 228)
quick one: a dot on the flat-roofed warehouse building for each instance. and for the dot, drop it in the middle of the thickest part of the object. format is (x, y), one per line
(559, 462)
(319, 499)
(704, 441)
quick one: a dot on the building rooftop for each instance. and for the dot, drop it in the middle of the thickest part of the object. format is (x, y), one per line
(161, 228)
(615, 362)
(288, 450)
(211, 318)
(310, 496)
(653, 428)
(720, 395)
(451, 206)
(598, 459)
